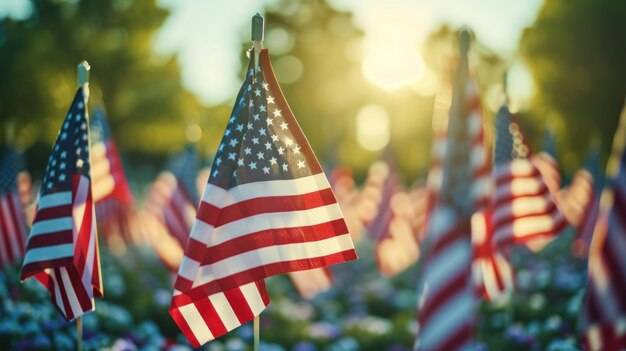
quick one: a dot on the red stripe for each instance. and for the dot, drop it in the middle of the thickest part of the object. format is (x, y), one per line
(214, 216)
(239, 304)
(507, 198)
(509, 237)
(182, 324)
(450, 237)
(50, 239)
(4, 230)
(254, 274)
(66, 308)
(456, 339)
(505, 177)
(551, 210)
(17, 217)
(272, 237)
(53, 213)
(33, 268)
(79, 289)
(210, 316)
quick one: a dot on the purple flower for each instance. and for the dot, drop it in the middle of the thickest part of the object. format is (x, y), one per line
(304, 346)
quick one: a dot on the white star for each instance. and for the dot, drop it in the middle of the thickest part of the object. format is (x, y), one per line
(270, 99)
(268, 121)
(257, 92)
(227, 132)
(67, 123)
(49, 185)
(63, 154)
(285, 167)
(56, 147)
(265, 86)
(283, 126)
(266, 170)
(249, 87)
(83, 126)
(249, 126)
(260, 155)
(218, 161)
(62, 177)
(77, 151)
(231, 156)
(274, 137)
(221, 147)
(84, 137)
(53, 173)
(233, 142)
(79, 163)
(262, 131)
(252, 165)
(273, 161)
(256, 117)
(281, 150)
(268, 146)
(63, 136)
(240, 162)
(277, 113)
(80, 104)
(77, 116)
(247, 150)
(53, 162)
(231, 120)
(255, 140)
(250, 72)
(239, 127)
(215, 172)
(62, 165)
(262, 108)
(300, 164)
(296, 150)
(288, 141)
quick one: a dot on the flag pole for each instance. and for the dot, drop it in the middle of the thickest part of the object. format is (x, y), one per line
(257, 34)
(82, 78)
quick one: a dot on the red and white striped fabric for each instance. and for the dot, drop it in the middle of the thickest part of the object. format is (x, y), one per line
(491, 270)
(170, 204)
(605, 308)
(446, 308)
(62, 249)
(524, 211)
(267, 209)
(12, 223)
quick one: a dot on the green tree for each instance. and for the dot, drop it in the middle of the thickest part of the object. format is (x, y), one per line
(145, 101)
(576, 52)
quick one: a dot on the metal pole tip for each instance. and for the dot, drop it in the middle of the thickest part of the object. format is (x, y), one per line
(82, 76)
(257, 27)
(464, 40)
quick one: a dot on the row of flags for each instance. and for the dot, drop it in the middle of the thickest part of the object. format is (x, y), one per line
(268, 208)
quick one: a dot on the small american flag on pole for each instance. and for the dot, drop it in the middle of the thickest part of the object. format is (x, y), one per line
(604, 322)
(524, 211)
(267, 209)
(62, 248)
(12, 223)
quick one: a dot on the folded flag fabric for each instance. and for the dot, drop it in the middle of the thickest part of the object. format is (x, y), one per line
(267, 209)
(62, 248)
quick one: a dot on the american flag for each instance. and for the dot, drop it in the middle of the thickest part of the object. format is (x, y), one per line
(111, 193)
(311, 282)
(173, 196)
(524, 211)
(604, 320)
(12, 223)
(491, 269)
(583, 197)
(268, 209)
(446, 307)
(62, 248)
(396, 246)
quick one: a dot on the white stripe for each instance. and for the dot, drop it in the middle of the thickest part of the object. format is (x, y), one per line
(188, 268)
(58, 301)
(520, 207)
(49, 253)
(87, 273)
(518, 167)
(455, 314)
(206, 233)
(197, 325)
(55, 199)
(224, 310)
(51, 226)
(219, 197)
(519, 187)
(272, 254)
(452, 259)
(253, 297)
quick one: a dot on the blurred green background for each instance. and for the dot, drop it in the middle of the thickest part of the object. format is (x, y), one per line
(358, 75)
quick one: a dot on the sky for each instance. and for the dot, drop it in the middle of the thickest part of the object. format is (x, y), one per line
(206, 36)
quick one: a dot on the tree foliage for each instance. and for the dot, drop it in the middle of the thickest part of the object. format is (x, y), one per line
(576, 53)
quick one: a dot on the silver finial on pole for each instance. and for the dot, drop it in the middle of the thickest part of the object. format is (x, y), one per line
(82, 76)
(257, 34)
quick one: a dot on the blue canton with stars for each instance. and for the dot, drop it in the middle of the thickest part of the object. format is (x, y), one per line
(509, 140)
(262, 140)
(185, 167)
(70, 154)
(8, 170)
